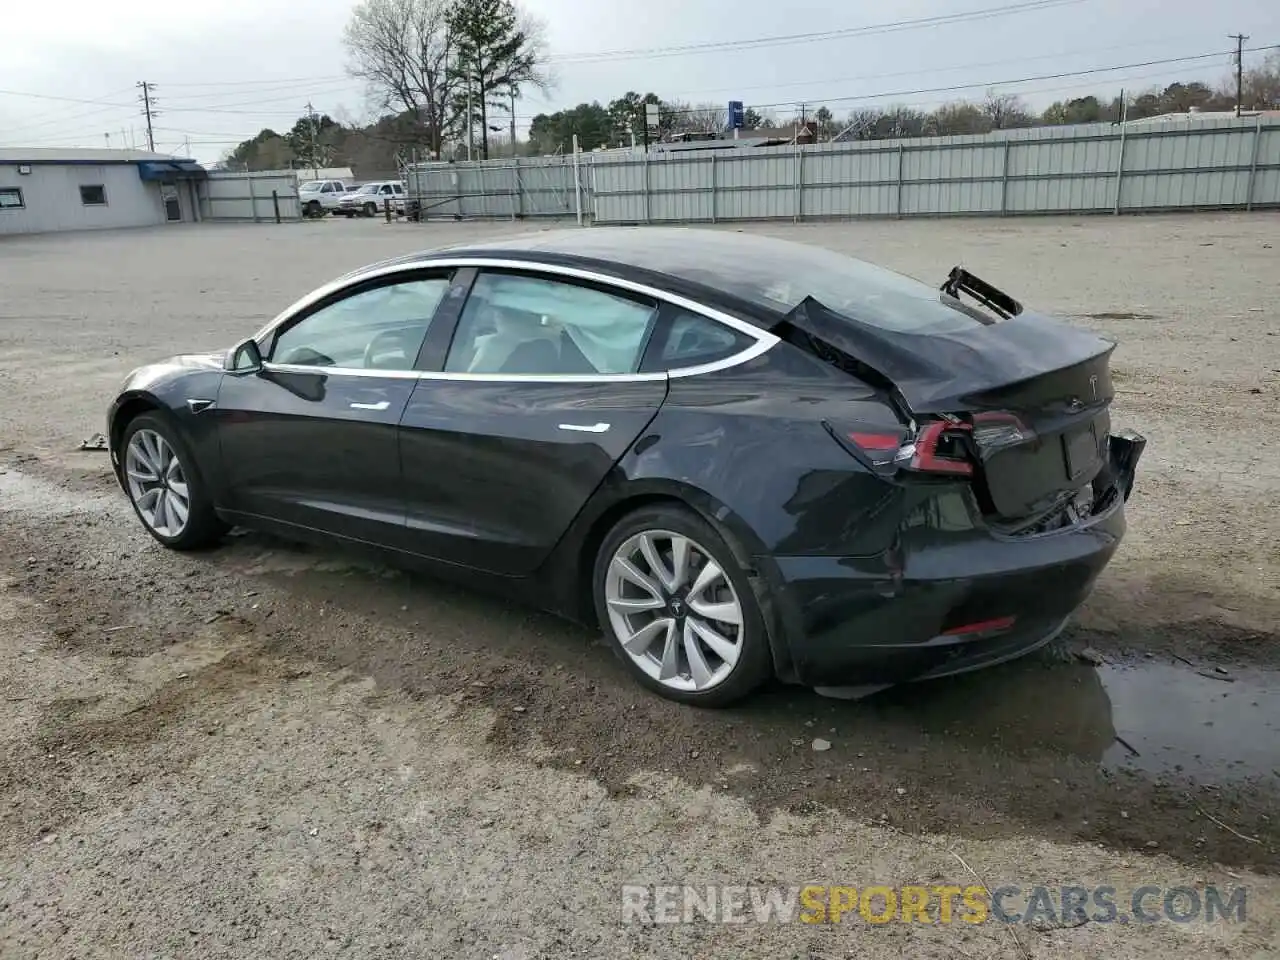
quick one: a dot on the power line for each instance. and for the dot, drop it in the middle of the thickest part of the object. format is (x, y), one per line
(955, 88)
(820, 35)
(912, 73)
(247, 83)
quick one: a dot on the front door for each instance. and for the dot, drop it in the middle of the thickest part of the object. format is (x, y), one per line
(169, 197)
(311, 440)
(538, 401)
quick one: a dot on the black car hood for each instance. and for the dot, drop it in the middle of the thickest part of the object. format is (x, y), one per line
(936, 372)
(151, 373)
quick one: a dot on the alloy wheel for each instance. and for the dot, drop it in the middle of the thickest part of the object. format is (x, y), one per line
(674, 610)
(157, 483)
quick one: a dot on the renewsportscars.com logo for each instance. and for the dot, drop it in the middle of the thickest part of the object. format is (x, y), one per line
(879, 904)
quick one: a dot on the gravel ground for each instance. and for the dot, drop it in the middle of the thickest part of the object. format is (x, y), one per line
(275, 749)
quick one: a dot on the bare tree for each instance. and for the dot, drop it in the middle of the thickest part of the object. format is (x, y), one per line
(1006, 110)
(400, 48)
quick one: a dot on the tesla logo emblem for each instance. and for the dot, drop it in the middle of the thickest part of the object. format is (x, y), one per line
(677, 607)
(1093, 385)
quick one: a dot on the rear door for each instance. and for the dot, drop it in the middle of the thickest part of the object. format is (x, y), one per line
(538, 399)
(311, 439)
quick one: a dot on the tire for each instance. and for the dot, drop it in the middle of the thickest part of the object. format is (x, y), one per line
(370, 209)
(201, 527)
(626, 609)
(314, 209)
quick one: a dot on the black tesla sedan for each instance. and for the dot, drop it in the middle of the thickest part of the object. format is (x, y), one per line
(743, 457)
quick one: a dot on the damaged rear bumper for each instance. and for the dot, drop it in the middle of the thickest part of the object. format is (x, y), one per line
(954, 603)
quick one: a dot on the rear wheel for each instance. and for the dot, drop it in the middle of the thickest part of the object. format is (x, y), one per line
(678, 610)
(165, 487)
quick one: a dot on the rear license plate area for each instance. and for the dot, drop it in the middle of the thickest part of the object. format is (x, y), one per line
(1080, 451)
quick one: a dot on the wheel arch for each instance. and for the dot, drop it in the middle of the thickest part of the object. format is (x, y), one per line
(579, 551)
(124, 410)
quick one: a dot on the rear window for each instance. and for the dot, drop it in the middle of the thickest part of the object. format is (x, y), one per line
(775, 274)
(780, 275)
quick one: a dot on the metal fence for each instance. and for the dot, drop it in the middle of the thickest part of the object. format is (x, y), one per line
(1181, 164)
(231, 195)
(509, 189)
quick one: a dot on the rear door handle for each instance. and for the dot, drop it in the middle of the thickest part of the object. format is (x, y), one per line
(380, 405)
(585, 427)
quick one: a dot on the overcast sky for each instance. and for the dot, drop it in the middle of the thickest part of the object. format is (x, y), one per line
(224, 71)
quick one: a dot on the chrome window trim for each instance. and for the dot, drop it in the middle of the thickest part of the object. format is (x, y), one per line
(764, 340)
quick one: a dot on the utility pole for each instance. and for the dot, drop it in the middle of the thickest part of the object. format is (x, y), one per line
(315, 163)
(513, 122)
(148, 110)
(1239, 38)
(471, 120)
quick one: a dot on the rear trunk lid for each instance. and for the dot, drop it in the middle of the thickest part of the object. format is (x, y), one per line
(1021, 404)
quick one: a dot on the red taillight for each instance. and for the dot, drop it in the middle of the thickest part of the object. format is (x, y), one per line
(876, 441)
(995, 625)
(929, 459)
(873, 444)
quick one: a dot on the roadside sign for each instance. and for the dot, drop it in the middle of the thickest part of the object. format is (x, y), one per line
(651, 116)
(736, 114)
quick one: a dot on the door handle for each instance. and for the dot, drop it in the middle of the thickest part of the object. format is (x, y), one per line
(380, 405)
(585, 427)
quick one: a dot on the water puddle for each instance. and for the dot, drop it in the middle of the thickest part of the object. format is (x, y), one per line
(1152, 716)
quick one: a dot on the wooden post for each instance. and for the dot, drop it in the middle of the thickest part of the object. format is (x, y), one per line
(275, 204)
(386, 209)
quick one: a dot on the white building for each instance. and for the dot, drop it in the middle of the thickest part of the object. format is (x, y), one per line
(44, 190)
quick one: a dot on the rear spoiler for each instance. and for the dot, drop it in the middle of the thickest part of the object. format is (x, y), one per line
(960, 280)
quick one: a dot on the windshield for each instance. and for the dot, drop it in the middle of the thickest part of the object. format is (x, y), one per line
(369, 188)
(311, 186)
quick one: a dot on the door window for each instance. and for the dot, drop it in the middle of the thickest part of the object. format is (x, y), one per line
(519, 324)
(691, 340)
(378, 329)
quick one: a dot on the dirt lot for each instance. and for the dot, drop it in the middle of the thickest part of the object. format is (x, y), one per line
(273, 750)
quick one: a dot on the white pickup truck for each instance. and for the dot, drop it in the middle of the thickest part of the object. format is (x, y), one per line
(318, 197)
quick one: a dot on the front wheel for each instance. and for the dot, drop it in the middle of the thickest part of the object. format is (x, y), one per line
(370, 209)
(165, 487)
(678, 609)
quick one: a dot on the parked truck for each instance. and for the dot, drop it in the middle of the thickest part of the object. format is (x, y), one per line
(318, 197)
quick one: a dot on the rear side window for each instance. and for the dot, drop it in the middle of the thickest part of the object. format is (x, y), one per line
(519, 324)
(692, 340)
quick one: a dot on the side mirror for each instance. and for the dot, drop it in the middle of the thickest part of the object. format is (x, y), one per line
(244, 357)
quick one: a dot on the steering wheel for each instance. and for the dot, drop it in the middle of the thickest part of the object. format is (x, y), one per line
(391, 343)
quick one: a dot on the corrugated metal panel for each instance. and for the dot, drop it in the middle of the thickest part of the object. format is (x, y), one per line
(1036, 170)
(228, 195)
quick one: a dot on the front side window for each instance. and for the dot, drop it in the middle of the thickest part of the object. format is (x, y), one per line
(520, 324)
(378, 329)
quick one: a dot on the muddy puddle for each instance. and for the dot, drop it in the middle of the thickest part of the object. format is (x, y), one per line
(1151, 716)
